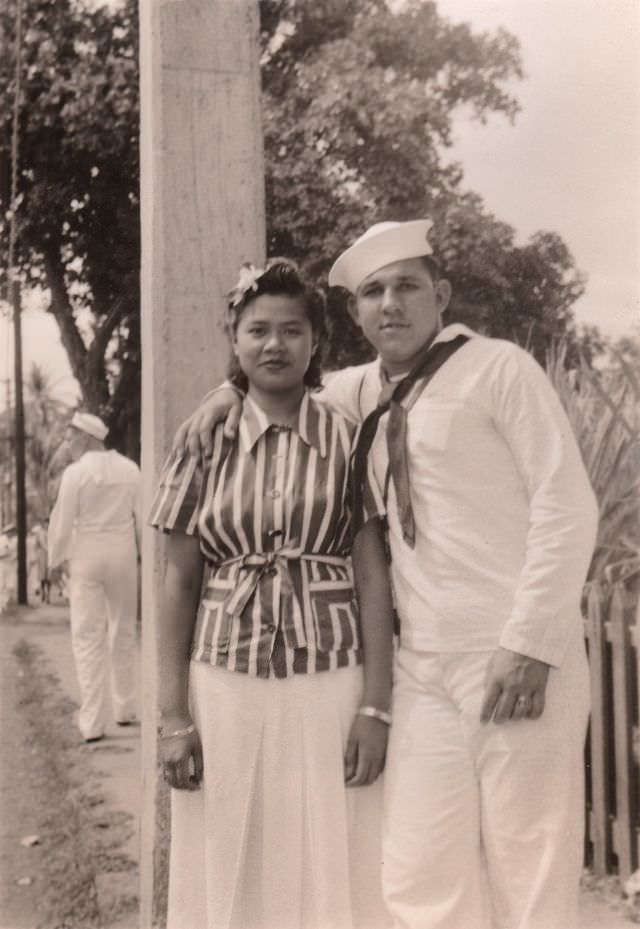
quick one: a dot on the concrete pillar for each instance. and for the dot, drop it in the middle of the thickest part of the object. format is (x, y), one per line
(202, 195)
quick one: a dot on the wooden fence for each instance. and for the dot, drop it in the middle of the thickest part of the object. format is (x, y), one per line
(612, 630)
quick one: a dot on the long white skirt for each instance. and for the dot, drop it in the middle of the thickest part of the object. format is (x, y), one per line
(273, 839)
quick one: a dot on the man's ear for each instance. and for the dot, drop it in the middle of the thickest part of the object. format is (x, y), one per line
(352, 307)
(443, 294)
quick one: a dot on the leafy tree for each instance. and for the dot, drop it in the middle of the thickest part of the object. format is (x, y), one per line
(79, 211)
(45, 417)
(625, 353)
(358, 107)
(45, 455)
(522, 293)
(358, 103)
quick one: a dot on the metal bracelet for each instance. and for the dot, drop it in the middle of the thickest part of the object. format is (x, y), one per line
(177, 733)
(375, 713)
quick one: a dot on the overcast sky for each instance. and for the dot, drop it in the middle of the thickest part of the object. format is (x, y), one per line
(570, 163)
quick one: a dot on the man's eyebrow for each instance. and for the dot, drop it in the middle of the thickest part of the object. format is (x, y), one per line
(400, 279)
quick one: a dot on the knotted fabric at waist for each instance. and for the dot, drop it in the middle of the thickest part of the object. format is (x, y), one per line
(253, 566)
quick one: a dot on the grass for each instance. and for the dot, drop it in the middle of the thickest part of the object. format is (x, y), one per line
(87, 880)
(610, 890)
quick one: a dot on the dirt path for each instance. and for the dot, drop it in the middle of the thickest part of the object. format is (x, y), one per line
(80, 801)
(19, 817)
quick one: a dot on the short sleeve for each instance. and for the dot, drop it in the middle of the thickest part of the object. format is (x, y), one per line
(373, 504)
(372, 497)
(175, 506)
(347, 391)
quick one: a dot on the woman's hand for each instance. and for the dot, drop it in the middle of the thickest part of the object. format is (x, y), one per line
(366, 751)
(181, 755)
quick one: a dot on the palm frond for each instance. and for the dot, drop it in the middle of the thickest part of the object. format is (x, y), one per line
(602, 409)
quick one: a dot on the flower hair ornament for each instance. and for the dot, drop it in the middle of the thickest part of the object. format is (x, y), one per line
(247, 283)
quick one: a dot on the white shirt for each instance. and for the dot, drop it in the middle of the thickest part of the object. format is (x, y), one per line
(99, 493)
(505, 516)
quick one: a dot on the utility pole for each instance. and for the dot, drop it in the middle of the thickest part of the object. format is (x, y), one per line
(14, 294)
(6, 456)
(21, 492)
(202, 205)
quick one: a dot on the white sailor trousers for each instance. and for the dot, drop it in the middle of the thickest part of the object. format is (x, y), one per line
(484, 824)
(103, 603)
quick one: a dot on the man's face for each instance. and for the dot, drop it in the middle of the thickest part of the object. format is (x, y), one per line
(398, 309)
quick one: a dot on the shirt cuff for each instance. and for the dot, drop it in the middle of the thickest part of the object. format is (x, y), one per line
(546, 638)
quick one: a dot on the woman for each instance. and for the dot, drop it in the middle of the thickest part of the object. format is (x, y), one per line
(274, 688)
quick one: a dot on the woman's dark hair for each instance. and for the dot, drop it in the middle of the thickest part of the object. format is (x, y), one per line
(281, 277)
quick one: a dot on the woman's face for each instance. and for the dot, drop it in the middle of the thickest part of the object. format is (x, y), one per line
(274, 342)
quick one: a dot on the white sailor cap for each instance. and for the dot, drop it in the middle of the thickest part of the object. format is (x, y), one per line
(379, 246)
(92, 425)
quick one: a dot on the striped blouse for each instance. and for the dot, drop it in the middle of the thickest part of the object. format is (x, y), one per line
(271, 509)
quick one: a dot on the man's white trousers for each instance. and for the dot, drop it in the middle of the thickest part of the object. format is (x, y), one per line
(103, 601)
(484, 824)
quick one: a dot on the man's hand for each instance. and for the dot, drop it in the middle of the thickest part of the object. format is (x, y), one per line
(196, 433)
(514, 687)
(366, 750)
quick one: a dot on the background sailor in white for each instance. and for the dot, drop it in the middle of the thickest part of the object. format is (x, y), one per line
(95, 526)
